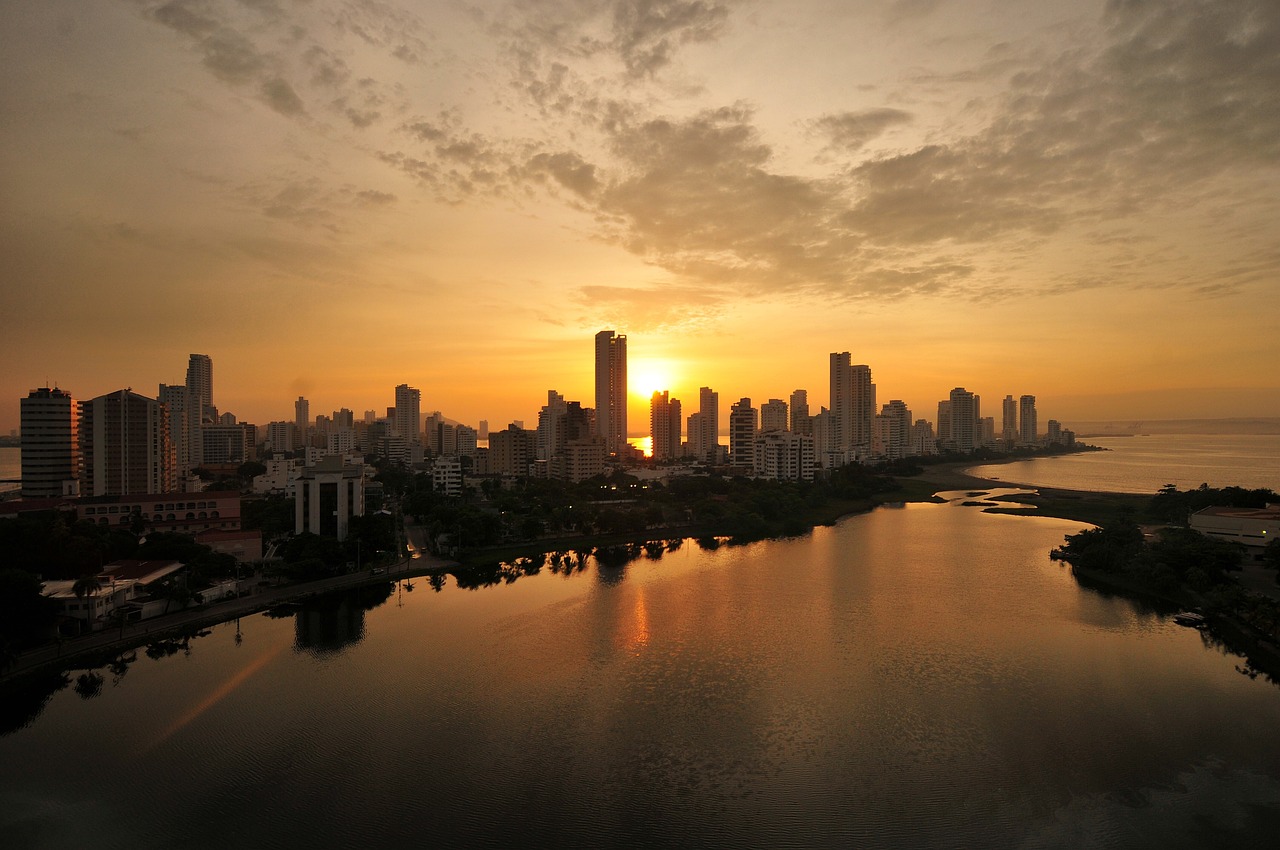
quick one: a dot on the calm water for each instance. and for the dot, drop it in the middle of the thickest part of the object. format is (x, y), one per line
(915, 677)
(10, 468)
(1145, 464)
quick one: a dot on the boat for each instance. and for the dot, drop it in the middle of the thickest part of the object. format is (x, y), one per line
(1190, 619)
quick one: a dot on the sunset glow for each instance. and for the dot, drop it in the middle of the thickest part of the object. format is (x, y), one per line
(1078, 201)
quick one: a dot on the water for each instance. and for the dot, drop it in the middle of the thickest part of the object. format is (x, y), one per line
(915, 677)
(1144, 464)
(10, 468)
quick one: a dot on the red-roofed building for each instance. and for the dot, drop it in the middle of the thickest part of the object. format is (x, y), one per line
(188, 513)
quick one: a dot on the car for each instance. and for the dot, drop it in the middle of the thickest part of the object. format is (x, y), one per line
(377, 571)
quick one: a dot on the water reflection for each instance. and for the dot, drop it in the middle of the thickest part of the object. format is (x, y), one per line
(911, 678)
(332, 622)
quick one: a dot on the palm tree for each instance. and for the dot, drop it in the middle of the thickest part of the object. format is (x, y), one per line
(86, 586)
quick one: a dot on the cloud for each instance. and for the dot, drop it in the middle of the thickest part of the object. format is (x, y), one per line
(647, 32)
(281, 97)
(652, 308)
(852, 130)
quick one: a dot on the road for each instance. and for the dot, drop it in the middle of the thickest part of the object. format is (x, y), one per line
(259, 598)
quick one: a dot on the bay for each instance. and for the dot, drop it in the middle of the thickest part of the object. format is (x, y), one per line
(920, 676)
(10, 468)
(1144, 464)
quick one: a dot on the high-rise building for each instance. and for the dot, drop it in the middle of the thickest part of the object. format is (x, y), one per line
(408, 418)
(302, 418)
(964, 420)
(708, 425)
(853, 403)
(50, 444)
(200, 386)
(773, 415)
(611, 390)
(125, 446)
(742, 433)
(800, 421)
(1009, 420)
(664, 425)
(1028, 427)
(280, 436)
(894, 430)
(549, 424)
(184, 426)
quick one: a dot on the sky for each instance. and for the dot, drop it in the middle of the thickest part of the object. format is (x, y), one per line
(1077, 201)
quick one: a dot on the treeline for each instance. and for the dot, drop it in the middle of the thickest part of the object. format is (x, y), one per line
(621, 504)
(1179, 563)
(1177, 506)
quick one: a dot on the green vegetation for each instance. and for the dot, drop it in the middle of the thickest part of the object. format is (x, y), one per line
(1185, 567)
(541, 515)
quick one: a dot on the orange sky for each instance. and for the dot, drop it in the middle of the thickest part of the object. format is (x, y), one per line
(1077, 201)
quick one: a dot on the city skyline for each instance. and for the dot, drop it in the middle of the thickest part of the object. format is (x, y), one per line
(332, 199)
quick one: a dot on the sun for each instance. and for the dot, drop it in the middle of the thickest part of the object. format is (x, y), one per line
(650, 376)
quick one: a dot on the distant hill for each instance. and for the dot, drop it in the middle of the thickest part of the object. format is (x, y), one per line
(1119, 427)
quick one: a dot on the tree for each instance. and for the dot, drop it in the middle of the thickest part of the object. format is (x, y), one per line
(26, 615)
(86, 586)
(1271, 557)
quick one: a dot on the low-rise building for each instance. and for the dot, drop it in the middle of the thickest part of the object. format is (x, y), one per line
(184, 512)
(1253, 528)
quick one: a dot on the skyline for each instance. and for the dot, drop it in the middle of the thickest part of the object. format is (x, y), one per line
(332, 199)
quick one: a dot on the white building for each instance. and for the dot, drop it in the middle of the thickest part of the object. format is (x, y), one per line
(446, 476)
(784, 456)
(329, 495)
(1254, 528)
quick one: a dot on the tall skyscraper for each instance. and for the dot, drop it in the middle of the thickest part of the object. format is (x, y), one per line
(125, 445)
(549, 421)
(853, 403)
(611, 390)
(664, 425)
(50, 444)
(1009, 420)
(200, 386)
(709, 425)
(408, 419)
(184, 426)
(964, 420)
(1028, 427)
(302, 419)
(742, 433)
(800, 421)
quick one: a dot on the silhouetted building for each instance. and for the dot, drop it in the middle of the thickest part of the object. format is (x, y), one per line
(742, 433)
(963, 418)
(1009, 420)
(611, 390)
(50, 444)
(664, 426)
(893, 430)
(408, 417)
(1028, 427)
(800, 421)
(853, 402)
(125, 446)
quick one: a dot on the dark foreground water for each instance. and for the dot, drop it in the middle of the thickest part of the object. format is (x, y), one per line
(916, 677)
